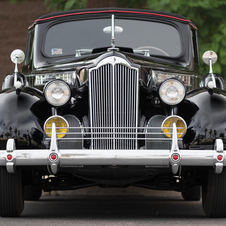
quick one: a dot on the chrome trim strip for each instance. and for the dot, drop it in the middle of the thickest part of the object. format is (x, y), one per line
(174, 147)
(122, 133)
(112, 138)
(174, 150)
(71, 157)
(219, 148)
(113, 31)
(53, 143)
(113, 104)
(75, 157)
(10, 148)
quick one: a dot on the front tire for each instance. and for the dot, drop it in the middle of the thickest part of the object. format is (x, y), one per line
(192, 193)
(11, 193)
(214, 195)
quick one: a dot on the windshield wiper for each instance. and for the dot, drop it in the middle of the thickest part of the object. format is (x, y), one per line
(146, 52)
(80, 52)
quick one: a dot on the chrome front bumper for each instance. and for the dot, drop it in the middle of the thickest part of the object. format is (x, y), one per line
(80, 157)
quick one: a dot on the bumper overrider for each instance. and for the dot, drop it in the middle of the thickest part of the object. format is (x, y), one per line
(80, 157)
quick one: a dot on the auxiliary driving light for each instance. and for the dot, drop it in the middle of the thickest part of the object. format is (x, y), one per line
(61, 126)
(167, 126)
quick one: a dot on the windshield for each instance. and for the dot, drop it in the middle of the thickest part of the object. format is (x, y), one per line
(81, 37)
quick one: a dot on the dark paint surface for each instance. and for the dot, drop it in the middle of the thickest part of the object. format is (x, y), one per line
(16, 119)
(209, 122)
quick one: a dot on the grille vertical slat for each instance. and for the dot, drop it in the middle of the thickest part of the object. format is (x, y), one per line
(113, 106)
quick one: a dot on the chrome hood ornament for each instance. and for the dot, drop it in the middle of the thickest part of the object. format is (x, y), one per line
(113, 48)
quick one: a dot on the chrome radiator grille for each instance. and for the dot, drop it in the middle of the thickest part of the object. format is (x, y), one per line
(113, 89)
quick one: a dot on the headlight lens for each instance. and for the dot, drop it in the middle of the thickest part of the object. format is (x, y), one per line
(168, 124)
(60, 122)
(57, 93)
(172, 92)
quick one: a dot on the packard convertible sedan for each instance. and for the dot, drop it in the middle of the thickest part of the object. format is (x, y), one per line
(112, 98)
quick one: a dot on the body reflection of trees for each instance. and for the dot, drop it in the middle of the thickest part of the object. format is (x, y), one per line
(27, 138)
(210, 135)
(14, 133)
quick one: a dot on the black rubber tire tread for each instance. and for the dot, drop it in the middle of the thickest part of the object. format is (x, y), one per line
(192, 193)
(32, 193)
(11, 193)
(214, 195)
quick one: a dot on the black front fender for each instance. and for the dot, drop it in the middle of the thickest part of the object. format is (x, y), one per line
(209, 121)
(17, 120)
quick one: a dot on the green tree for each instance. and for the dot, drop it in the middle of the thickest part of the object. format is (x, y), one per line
(210, 18)
(14, 1)
(132, 3)
(60, 5)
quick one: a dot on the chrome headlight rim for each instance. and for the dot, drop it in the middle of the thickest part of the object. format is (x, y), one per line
(172, 92)
(57, 93)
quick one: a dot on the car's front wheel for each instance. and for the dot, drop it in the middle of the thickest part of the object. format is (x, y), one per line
(214, 194)
(11, 193)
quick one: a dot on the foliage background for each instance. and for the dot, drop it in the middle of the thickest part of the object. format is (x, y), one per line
(210, 18)
(208, 15)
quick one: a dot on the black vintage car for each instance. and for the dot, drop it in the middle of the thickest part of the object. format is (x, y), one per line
(112, 98)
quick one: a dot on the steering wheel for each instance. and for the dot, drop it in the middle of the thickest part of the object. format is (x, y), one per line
(152, 47)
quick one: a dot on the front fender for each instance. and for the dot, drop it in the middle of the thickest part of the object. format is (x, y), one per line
(209, 121)
(17, 120)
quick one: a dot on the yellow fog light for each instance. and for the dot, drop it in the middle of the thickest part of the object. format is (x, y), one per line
(61, 126)
(167, 126)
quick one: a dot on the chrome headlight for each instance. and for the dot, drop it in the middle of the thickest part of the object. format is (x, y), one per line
(172, 91)
(57, 93)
